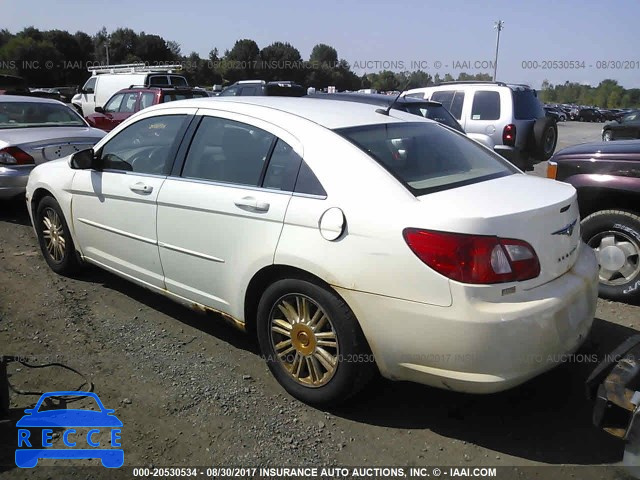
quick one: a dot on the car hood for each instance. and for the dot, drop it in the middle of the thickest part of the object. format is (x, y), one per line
(69, 418)
(595, 148)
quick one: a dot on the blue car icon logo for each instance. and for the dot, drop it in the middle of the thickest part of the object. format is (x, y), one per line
(35, 433)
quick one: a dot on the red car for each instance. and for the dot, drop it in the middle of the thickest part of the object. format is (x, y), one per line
(128, 101)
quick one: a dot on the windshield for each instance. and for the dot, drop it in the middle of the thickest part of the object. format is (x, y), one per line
(526, 105)
(427, 157)
(434, 112)
(34, 114)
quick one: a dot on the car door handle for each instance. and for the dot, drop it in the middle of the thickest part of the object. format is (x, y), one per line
(141, 188)
(251, 204)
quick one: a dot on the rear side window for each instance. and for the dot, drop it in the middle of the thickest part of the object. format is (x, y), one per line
(146, 99)
(427, 157)
(486, 106)
(451, 100)
(456, 105)
(308, 183)
(283, 168)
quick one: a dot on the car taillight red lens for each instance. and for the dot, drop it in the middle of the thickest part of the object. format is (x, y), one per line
(477, 259)
(509, 135)
(15, 156)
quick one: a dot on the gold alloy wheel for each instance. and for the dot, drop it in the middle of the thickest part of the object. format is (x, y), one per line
(53, 233)
(304, 340)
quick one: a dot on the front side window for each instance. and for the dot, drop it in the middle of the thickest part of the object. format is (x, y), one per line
(427, 157)
(444, 97)
(456, 105)
(143, 147)
(249, 91)
(228, 151)
(113, 105)
(229, 92)
(90, 85)
(486, 106)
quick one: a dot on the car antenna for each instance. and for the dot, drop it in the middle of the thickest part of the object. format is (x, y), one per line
(385, 111)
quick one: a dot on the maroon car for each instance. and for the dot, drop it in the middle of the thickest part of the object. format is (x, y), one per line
(607, 178)
(128, 101)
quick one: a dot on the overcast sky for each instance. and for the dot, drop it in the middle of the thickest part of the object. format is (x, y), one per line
(374, 34)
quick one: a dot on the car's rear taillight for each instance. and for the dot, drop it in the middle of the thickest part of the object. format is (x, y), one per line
(509, 135)
(552, 169)
(15, 156)
(477, 259)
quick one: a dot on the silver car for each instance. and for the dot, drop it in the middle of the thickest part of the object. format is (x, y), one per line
(35, 130)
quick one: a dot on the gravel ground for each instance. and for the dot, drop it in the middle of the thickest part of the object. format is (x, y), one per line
(190, 390)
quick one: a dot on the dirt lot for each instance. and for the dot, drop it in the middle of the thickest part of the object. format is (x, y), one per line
(190, 390)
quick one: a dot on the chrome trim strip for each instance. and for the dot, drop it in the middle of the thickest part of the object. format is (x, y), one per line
(229, 185)
(118, 232)
(190, 252)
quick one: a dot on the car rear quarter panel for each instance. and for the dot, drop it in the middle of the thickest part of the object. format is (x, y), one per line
(371, 255)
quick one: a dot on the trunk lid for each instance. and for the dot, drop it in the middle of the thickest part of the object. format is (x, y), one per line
(539, 211)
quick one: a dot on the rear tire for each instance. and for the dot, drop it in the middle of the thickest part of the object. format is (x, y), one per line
(615, 237)
(54, 237)
(545, 134)
(312, 342)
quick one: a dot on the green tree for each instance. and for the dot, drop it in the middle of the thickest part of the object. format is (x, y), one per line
(281, 61)
(242, 61)
(323, 54)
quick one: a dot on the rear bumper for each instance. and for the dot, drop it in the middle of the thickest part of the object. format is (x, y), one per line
(476, 345)
(518, 157)
(13, 180)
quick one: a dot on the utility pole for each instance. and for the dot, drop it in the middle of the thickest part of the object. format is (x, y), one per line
(499, 25)
(106, 47)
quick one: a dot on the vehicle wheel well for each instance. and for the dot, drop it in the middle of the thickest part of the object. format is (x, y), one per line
(592, 200)
(259, 283)
(38, 195)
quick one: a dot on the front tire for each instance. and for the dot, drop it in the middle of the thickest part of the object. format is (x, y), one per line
(54, 237)
(607, 136)
(615, 237)
(312, 342)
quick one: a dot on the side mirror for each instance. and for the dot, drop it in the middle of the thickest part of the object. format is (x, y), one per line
(83, 160)
(99, 109)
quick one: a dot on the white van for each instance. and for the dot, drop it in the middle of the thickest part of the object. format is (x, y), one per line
(107, 80)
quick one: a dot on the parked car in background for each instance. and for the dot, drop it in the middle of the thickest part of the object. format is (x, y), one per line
(556, 113)
(553, 114)
(263, 88)
(610, 114)
(128, 101)
(609, 199)
(107, 80)
(327, 208)
(590, 115)
(508, 118)
(424, 108)
(33, 131)
(624, 128)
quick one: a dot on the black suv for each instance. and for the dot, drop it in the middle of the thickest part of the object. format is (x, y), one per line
(260, 87)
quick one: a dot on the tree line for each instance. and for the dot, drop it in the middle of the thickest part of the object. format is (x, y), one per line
(47, 58)
(56, 58)
(608, 94)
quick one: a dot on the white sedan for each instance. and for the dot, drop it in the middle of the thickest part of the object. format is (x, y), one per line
(348, 239)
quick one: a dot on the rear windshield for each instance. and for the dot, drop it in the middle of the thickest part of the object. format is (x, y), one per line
(286, 90)
(171, 96)
(526, 105)
(433, 112)
(427, 157)
(34, 114)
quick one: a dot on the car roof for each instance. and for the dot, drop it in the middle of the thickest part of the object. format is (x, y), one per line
(22, 99)
(374, 98)
(330, 114)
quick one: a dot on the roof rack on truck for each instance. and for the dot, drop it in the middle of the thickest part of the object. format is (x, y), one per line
(134, 68)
